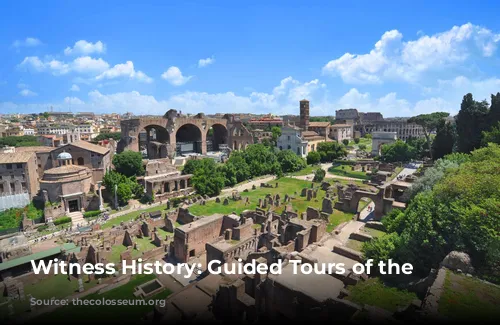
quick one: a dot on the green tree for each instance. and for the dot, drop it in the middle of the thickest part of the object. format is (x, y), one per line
(471, 121)
(429, 123)
(319, 175)
(494, 113)
(330, 151)
(460, 212)
(112, 179)
(22, 141)
(190, 166)
(420, 146)
(313, 158)
(356, 140)
(129, 163)
(397, 151)
(492, 136)
(290, 162)
(104, 136)
(444, 141)
(276, 130)
(345, 142)
(45, 115)
(367, 136)
(207, 178)
(262, 160)
(362, 147)
(123, 193)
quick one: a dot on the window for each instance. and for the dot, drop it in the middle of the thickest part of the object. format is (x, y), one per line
(9, 166)
(19, 165)
(80, 161)
(288, 138)
(289, 147)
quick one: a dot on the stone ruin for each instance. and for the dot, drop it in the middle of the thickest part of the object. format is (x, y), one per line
(327, 206)
(226, 201)
(217, 200)
(236, 196)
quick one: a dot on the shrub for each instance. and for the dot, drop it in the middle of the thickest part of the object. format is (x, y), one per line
(319, 175)
(62, 220)
(90, 214)
(356, 140)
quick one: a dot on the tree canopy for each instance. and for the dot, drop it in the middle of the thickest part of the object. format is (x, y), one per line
(207, 178)
(313, 158)
(290, 162)
(397, 151)
(129, 163)
(331, 150)
(104, 136)
(429, 123)
(444, 141)
(471, 121)
(460, 212)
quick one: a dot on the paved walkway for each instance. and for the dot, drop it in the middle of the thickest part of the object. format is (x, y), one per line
(248, 185)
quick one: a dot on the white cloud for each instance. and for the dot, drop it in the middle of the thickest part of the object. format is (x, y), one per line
(27, 93)
(28, 42)
(83, 47)
(391, 58)
(73, 101)
(74, 88)
(174, 76)
(86, 64)
(204, 62)
(124, 70)
(280, 100)
(32, 62)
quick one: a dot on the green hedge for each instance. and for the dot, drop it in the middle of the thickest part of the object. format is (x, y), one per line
(62, 220)
(344, 162)
(42, 228)
(90, 214)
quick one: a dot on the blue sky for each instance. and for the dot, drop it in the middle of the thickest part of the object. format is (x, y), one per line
(395, 57)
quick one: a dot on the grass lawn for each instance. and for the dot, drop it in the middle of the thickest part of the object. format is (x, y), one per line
(354, 244)
(286, 185)
(109, 313)
(347, 172)
(310, 169)
(374, 292)
(373, 232)
(130, 216)
(57, 286)
(466, 298)
(338, 217)
(366, 142)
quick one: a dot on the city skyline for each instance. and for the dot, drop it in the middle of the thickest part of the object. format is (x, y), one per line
(142, 59)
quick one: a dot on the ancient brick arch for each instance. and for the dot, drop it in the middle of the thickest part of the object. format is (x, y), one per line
(383, 201)
(219, 137)
(172, 123)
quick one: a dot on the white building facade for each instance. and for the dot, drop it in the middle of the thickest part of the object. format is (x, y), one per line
(290, 139)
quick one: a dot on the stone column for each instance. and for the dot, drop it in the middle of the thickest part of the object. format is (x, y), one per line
(101, 205)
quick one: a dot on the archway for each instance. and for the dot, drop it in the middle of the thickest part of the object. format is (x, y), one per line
(188, 139)
(152, 141)
(216, 135)
(80, 161)
(366, 209)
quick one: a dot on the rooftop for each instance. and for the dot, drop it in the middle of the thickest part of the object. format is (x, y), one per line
(16, 157)
(317, 286)
(65, 169)
(34, 149)
(69, 247)
(200, 222)
(89, 146)
(319, 124)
